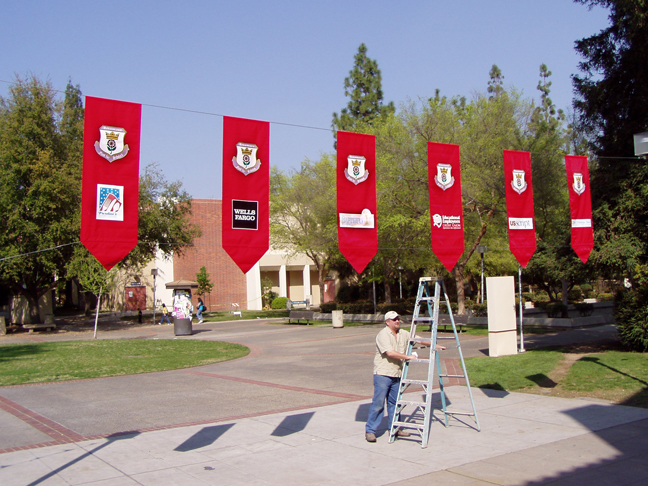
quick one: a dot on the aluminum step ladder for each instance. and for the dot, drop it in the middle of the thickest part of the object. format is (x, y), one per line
(417, 415)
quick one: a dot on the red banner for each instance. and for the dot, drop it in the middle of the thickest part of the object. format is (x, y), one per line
(446, 207)
(580, 203)
(110, 187)
(356, 198)
(519, 205)
(246, 189)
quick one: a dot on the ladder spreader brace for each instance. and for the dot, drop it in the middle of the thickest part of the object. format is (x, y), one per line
(420, 412)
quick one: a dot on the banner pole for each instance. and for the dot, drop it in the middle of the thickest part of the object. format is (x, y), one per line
(522, 350)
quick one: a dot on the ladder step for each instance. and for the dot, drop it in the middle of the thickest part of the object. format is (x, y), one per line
(452, 376)
(408, 425)
(415, 382)
(419, 360)
(412, 404)
(448, 412)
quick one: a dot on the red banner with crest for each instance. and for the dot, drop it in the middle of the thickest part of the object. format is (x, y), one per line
(519, 205)
(580, 204)
(110, 185)
(446, 207)
(356, 198)
(246, 190)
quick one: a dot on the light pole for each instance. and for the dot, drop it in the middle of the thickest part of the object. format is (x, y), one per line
(154, 272)
(400, 282)
(481, 249)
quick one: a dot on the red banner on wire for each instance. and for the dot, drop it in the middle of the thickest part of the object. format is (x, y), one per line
(580, 204)
(246, 190)
(446, 208)
(110, 186)
(519, 205)
(356, 198)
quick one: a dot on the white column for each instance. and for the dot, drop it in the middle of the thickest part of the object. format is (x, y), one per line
(283, 282)
(253, 281)
(307, 284)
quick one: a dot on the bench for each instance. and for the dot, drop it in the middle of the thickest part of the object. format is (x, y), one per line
(301, 316)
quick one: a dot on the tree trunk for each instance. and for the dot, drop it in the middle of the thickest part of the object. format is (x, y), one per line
(461, 297)
(97, 313)
(388, 293)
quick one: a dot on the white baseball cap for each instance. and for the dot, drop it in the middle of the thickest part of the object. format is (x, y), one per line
(391, 315)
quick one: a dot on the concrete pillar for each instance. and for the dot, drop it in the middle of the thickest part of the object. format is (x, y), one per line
(253, 281)
(307, 284)
(283, 282)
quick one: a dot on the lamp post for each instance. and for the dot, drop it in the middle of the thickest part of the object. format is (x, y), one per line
(400, 282)
(481, 249)
(154, 272)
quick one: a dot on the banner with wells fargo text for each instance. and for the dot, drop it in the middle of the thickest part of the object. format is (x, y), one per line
(110, 184)
(519, 205)
(356, 198)
(246, 189)
(446, 208)
(580, 204)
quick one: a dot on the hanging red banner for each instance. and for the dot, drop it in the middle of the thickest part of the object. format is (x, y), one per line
(446, 208)
(246, 190)
(580, 204)
(519, 205)
(356, 198)
(110, 185)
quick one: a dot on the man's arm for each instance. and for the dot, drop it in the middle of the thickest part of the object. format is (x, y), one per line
(396, 355)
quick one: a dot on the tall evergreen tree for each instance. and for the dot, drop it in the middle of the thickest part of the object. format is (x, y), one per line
(364, 87)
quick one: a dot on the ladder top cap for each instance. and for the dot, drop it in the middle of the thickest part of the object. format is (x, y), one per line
(425, 279)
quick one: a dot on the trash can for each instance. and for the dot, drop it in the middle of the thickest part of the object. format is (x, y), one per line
(337, 318)
(182, 327)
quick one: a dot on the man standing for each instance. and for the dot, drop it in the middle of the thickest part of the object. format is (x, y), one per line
(391, 346)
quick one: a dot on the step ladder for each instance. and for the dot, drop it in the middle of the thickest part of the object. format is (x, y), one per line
(417, 415)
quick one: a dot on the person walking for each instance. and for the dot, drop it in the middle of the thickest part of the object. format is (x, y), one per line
(165, 314)
(201, 309)
(391, 349)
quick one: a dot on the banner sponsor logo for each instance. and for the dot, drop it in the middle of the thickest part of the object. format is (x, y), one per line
(581, 223)
(246, 160)
(444, 177)
(518, 183)
(110, 205)
(520, 223)
(245, 214)
(111, 143)
(355, 171)
(446, 222)
(578, 185)
(362, 220)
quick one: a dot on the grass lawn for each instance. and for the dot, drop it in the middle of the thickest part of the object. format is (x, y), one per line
(71, 360)
(617, 376)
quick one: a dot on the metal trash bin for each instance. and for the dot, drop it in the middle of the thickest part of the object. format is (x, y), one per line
(182, 327)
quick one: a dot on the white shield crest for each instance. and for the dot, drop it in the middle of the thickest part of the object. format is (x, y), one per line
(111, 143)
(444, 177)
(578, 185)
(355, 170)
(518, 182)
(246, 160)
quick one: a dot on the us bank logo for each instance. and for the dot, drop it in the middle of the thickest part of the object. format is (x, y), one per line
(110, 202)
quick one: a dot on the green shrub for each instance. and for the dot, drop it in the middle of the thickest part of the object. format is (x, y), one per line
(394, 306)
(358, 307)
(539, 298)
(556, 309)
(480, 310)
(605, 297)
(279, 303)
(575, 294)
(584, 309)
(328, 307)
(631, 316)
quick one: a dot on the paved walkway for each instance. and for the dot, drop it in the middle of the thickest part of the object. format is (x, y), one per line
(293, 412)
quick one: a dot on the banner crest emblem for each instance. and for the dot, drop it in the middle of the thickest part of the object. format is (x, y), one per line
(355, 171)
(518, 183)
(578, 185)
(246, 160)
(111, 143)
(444, 178)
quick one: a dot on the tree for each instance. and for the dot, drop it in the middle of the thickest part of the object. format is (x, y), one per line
(205, 285)
(364, 87)
(496, 83)
(303, 213)
(40, 188)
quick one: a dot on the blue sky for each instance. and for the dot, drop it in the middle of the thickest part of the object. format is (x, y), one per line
(280, 61)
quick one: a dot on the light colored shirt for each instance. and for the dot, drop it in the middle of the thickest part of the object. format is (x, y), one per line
(385, 341)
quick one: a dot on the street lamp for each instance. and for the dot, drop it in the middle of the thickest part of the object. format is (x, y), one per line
(154, 272)
(481, 249)
(400, 282)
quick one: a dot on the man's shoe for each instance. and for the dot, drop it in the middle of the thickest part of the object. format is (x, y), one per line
(370, 437)
(402, 433)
